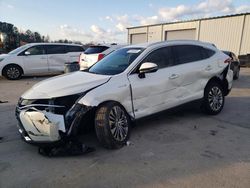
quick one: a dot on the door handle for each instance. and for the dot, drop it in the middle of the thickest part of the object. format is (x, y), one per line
(43, 57)
(208, 68)
(173, 76)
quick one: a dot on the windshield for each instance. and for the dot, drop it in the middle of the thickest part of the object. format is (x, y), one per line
(116, 62)
(17, 50)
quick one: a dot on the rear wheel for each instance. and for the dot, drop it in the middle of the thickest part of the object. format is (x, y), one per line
(12, 72)
(213, 100)
(112, 125)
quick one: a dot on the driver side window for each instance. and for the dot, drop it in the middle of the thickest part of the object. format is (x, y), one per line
(36, 50)
(162, 57)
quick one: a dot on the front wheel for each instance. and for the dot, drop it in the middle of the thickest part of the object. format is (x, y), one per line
(213, 100)
(12, 72)
(112, 125)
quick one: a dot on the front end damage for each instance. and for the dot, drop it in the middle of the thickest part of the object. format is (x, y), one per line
(50, 121)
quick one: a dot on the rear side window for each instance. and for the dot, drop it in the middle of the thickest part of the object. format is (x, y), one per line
(208, 53)
(190, 53)
(55, 49)
(162, 57)
(96, 49)
(74, 49)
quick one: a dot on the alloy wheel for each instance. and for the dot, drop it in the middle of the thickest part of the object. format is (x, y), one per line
(215, 98)
(118, 123)
(13, 73)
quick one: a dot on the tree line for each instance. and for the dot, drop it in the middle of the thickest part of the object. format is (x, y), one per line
(13, 38)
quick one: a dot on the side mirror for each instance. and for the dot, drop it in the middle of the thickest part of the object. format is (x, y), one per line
(26, 53)
(147, 67)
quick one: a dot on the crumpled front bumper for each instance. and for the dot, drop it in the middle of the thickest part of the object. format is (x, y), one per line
(42, 127)
(39, 126)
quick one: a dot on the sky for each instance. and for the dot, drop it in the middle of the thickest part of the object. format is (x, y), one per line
(107, 20)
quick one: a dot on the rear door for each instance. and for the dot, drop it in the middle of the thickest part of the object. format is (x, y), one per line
(57, 57)
(156, 91)
(193, 68)
(37, 60)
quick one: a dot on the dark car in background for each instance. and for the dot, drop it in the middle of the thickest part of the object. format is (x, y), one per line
(235, 65)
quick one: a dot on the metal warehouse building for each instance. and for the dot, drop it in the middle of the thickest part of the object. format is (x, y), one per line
(230, 32)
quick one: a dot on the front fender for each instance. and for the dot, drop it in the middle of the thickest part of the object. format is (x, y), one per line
(117, 89)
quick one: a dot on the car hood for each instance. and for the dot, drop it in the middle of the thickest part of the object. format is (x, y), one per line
(64, 85)
(2, 56)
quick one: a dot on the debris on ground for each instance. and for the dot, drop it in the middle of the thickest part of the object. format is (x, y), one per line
(3, 101)
(195, 127)
(213, 132)
(1, 138)
(128, 143)
(71, 148)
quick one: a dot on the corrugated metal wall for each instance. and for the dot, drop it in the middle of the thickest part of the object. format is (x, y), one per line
(225, 33)
(228, 33)
(245, 43)
(154, 33)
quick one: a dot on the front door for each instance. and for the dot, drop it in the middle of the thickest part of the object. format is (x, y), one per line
(35, 60)
(157, 90)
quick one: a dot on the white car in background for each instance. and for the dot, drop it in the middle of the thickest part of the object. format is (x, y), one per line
(96, 53)
(131, 83)
(38, 58)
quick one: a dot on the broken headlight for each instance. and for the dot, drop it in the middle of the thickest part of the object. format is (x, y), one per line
(58, 105)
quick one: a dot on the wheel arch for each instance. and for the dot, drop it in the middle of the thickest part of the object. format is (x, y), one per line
(108, 101)
(222, 81)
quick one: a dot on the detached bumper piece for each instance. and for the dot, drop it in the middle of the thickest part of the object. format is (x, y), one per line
(55, 134)
(42, 126)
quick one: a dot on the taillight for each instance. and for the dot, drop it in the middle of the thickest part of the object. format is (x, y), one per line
(100, 56)
(229, 60)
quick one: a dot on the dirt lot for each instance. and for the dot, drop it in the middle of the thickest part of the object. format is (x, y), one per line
(180, 148)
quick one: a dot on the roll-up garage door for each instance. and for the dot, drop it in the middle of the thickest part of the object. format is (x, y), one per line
(138, 38)
(180, 34)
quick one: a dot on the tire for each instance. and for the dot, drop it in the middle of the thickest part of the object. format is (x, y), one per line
(12, 72)
(213, 100)
(110, 120)
(237, 74)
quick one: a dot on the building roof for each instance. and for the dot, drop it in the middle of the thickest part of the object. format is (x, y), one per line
(183, 21)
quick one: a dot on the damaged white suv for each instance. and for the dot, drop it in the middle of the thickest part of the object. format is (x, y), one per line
(132, 82)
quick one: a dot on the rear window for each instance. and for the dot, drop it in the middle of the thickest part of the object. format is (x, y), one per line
(96, 49)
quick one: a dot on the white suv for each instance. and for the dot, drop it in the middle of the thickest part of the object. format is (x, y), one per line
(38, 58)
(132, 82)
(96, 53)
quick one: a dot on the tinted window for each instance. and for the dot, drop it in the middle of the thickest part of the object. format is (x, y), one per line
(55, 49)
(35, 50)
(162, 57)
(188, 53)
(116, 62)
(209, 53)
(74, 49)
(96, 49)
